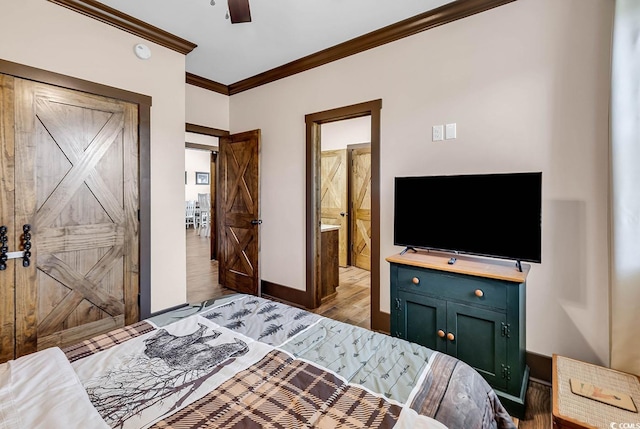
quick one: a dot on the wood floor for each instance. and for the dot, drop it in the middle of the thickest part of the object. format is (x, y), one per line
(354, 291)
(538, 413)
(351, 305)
(202, 273)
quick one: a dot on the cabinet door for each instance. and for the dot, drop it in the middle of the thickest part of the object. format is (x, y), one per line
(420, 318)
(479, 341)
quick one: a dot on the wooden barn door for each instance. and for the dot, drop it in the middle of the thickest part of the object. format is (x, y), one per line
(361, 207)
(333, 197)
(76, 185)
(238, 211)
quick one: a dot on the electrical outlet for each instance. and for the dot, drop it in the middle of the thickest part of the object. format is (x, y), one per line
(450, 131)
(437, 133)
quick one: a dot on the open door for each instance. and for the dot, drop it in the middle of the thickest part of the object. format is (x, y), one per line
(333, 199)
(238, 211)
(361, 207)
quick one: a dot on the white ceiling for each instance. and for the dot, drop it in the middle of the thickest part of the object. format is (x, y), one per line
(281, 31)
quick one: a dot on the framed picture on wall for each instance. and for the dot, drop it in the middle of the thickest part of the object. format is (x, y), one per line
(202, 178)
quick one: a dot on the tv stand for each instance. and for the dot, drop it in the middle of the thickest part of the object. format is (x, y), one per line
(409, 248)
(473, 310)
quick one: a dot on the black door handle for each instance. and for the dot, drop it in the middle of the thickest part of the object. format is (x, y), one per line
(256, 222)
(3, 248)
(343, 214)
(26, 245)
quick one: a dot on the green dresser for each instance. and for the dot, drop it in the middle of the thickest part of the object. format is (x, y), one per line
(473, 310)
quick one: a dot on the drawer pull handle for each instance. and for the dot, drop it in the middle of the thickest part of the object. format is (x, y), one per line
(415, 280)
(450, 336)
(441, 333)
(479, 293)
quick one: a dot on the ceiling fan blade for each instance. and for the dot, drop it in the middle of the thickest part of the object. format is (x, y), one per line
(239, 11)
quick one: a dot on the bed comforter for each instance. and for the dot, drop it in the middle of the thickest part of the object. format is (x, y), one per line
(247, 363)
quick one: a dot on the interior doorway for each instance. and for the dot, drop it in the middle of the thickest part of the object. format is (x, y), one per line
(345, 200)
(314, 122)
(345, 188)
(201, 149)
(202, 267)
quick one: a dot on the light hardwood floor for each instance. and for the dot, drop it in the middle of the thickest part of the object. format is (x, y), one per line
(202, 273)
(352, 301)
(351, 305)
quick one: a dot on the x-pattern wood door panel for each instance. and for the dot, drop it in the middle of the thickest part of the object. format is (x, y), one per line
(361, 208)
(238, 188)
(333, 198)
(77, 185)
(71, 144)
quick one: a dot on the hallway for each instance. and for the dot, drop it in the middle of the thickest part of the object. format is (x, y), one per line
(202, 273)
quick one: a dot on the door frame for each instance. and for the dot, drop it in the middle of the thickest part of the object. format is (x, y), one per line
(144, 143)
(379, 321)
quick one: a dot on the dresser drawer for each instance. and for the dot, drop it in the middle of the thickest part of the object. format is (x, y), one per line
(467, 289)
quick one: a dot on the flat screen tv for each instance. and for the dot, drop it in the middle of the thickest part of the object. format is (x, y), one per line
(496, 215)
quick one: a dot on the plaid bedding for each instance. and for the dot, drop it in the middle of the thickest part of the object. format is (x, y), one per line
(106, 341)
(328, 374)
(195, 373)
(282, 392)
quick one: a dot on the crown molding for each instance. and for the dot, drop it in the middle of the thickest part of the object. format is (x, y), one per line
(443, 15)
(115, 18)
(203, 82)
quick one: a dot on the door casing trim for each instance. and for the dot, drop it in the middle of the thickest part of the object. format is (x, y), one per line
(379, 321)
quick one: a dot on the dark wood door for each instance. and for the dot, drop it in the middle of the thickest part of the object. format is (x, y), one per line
(238, 211)
(76, 184)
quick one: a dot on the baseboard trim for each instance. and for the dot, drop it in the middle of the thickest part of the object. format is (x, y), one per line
(166, 310)
(540, 366)
(289, 295)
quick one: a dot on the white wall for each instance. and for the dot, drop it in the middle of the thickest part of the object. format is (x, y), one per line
(206, 108)
(196, 160)
(625, 179)
(41, 34)
(339, 134)
(528, 85)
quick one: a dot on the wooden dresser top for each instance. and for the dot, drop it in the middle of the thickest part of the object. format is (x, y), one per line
(490, 268)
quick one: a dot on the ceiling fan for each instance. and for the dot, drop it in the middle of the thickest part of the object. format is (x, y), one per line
(238, 10)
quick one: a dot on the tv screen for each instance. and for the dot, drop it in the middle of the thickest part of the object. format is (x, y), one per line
(497, 215)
